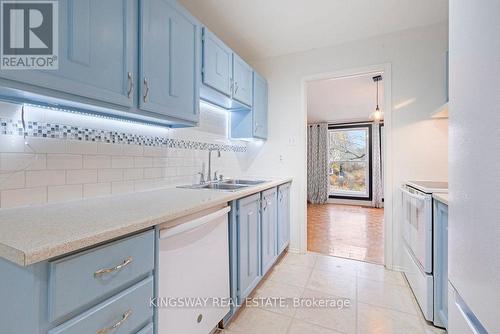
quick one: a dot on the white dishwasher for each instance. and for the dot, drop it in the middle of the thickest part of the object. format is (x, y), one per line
(194, 273)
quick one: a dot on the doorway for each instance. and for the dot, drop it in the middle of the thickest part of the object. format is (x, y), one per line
(350, 223)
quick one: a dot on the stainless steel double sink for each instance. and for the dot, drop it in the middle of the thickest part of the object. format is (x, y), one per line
(225, 185)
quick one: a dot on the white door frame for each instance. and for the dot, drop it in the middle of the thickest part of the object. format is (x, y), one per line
(387, 158)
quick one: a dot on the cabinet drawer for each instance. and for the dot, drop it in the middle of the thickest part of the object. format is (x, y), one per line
(146, 330)
(79, 281)
(121, 314)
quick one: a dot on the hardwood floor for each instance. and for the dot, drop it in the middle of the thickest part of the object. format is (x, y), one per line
(347, 231)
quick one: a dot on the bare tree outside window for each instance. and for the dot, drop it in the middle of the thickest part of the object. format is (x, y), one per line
(349, 161)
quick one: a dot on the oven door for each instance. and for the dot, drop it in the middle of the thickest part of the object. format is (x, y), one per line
(417, 226)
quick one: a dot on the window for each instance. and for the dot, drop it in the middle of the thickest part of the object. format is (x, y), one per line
(349, 161)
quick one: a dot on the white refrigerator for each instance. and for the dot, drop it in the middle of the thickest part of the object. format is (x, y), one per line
(474, 155)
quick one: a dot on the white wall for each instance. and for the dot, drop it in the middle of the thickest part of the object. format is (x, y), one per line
(418, 88)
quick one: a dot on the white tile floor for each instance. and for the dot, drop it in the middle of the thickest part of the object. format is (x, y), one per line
(381, 301)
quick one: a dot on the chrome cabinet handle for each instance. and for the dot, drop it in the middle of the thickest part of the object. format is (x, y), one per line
(125, 317)
(264, 207)
(236, 87)
(130, 85)
(281, 196)
(146, 87)
(105, 271)
(231, 85)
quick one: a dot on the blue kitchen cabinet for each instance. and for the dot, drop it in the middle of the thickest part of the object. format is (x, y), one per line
(252, 123)
(97, 55)
(283, 217)
(269, 229)
(441, 264)
(226, 78)
(217, 63)
(169, 60)
(260, 106)
(248, 245)
(242, 81)
(82, 293)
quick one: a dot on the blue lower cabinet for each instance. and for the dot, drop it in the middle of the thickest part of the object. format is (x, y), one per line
(102, 271)
(269, 229)
(110, 285)
(248, 244)
(125, 313)
(149, 329)
(283, 217)
(441, 264)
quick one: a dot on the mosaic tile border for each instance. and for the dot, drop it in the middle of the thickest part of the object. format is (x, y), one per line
(60, 131)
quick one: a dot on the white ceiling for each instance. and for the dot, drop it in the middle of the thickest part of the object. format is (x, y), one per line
(258, 29)
(343, 100)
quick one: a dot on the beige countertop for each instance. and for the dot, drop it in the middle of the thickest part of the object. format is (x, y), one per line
(33, 234)
(441, 197)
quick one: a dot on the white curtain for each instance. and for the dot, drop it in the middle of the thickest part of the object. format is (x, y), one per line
(378, 195)
(317, 163)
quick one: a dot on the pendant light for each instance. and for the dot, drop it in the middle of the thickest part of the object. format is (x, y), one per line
(377, 115)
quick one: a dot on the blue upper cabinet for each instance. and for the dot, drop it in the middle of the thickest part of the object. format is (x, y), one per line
(252, 123)
(242, 81)
(217, 63)
(169, 60)
(260, 109)
(132, 59)
(96, 53)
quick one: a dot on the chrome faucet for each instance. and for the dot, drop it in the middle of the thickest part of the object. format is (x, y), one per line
(209, 176)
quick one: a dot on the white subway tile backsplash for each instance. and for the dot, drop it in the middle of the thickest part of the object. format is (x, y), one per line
(143, 162)
(122, 187)
(64, 161)
(45, 178)
(133, 150)
(12, 144)
(23, 197)
(110, 175)
(96, 189)
(153, 151)
(47, 145)
(64, 193)
(73, 161)
(122, 162)
(96, 161)
(12, 180)
(81, 176)
(153, 173)
(22, 161)
(81, 147)
(110, 149)
(133, 174)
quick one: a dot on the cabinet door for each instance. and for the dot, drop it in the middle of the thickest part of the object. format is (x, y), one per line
(260, 102)
(283, 217)
(96, 53)
(217, 63)
(269, 226)
(170, 62)
(242, 81)
(248, 245)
